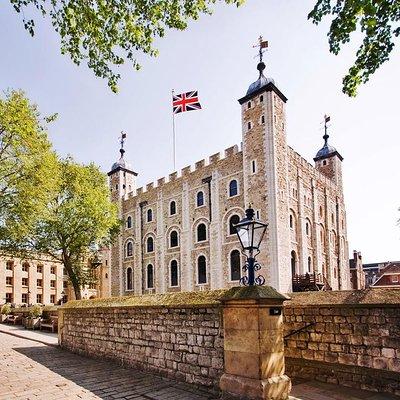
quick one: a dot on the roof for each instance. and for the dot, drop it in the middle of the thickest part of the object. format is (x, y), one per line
(386, 273)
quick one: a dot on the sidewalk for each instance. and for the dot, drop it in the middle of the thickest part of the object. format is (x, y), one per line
(47, 338)
(27, 355)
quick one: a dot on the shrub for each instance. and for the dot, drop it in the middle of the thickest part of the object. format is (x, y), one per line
(35, 311)
(6, 309)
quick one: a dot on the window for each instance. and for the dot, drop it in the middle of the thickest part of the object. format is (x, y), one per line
(309, 264)
(173, 239)
(200, 199)
(24, 281)
(324, 162)
(39, 282)
(52, 283)
(129, 279)
(333, 219)
(174, 273)
(129, 249)
(249, 125)
(233, 188)
(25, 298)
(262, 119)
(149, 215)
(253, 167)
(201, 233)
(129, 222)
(395, 278)
(249, 104)
(52, 270)
(9, 280)
(39, 298)
(150, 244)
(321, 213)
(25, 267)
(307, 229)
(39, 269)
(235, 265)
(9, 298)
(258, 214)
(52, 298)
(291, 223)
(293, 262)
(150, 277)
(261, 98)
(172, 208)
(232, 222)
(9, 265)
(201, 270)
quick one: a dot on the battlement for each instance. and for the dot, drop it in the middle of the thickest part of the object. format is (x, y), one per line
(302, 162)
(188, 170)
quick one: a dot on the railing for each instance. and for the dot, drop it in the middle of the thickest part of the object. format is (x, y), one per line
(310, 282)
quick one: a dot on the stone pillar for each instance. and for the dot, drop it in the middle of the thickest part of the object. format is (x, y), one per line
(253, 344)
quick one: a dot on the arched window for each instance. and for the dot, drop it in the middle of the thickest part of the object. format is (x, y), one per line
(293, 262)
(129, 222)
(321, 212)
(233, 188)
(233, 220)
(173, 239)
(174, 273)
(201, 232)
(149, 215)
(129, 249)
(309, 264)
(307, 228)
(129, 279)
(150, 244)
(150, 277)
(291, 223)
(235, 265)
(201, 270)
(172, 208)
(200, 199)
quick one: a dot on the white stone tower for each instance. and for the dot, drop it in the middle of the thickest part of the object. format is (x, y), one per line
(122, 180)
(265, 171)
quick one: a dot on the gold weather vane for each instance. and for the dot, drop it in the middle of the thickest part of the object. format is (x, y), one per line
(263, 46)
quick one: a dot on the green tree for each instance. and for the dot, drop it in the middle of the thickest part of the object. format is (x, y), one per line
(80, 219)
(107, 33)
(379, 23)
(27, 165)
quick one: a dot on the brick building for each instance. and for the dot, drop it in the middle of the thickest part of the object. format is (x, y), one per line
(44, 281)
(178, 232)
(37, 280)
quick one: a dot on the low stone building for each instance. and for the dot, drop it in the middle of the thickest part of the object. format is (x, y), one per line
(178, 233)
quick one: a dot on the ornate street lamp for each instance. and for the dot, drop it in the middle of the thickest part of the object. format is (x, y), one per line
(250, 232)
(62, 297)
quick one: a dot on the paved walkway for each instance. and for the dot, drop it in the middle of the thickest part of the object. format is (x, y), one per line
(31, 370)
(44, 337)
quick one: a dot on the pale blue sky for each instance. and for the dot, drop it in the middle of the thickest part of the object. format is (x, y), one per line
(215, 57)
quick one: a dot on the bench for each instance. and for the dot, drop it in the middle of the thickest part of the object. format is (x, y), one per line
(51, 323)
(13, 319)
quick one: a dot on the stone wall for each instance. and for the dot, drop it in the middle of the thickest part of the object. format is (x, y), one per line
(175, 335)
(351, 338)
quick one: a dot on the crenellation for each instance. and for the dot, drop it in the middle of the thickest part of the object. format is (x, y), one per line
(214, 158)
(173, 176)
(160, 182)
(230, 151)
(199, 165)
(149, 186)
(186, 171)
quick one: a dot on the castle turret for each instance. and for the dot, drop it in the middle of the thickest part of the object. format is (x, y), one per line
(122, 179)
(265, 171)
(328, 160)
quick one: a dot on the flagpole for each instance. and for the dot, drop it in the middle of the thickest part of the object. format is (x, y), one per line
(173, 135)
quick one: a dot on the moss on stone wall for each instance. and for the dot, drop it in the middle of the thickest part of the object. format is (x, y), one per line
(177, 299)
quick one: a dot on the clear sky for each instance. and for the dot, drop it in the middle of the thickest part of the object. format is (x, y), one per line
(215, 56)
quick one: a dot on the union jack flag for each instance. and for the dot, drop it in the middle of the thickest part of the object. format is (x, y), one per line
(188, 101)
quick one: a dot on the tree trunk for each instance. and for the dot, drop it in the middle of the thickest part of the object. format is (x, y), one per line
(72, 277)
